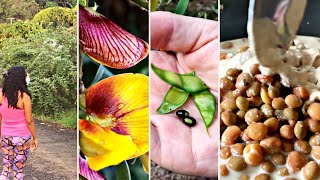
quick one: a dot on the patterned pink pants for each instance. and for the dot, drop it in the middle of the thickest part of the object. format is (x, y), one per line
(15, 152)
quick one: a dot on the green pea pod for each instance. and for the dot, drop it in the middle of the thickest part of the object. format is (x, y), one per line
(174, 98)
(206, 104)
(186, 82)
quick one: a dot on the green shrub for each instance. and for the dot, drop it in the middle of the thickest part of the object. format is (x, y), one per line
(18, 9)
(22, 29)
(55, 17)
(51, 4)
(51, 60)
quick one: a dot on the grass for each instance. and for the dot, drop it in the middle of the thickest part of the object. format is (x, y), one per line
(66, 119)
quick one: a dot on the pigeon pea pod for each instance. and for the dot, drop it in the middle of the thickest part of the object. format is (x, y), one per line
(187, 82)
(174, 98)
(206, 104)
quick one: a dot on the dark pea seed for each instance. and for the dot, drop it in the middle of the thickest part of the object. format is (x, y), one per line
(279, 103)
(233, 72)
(268, 166)
(232, 78)
(244, 81)
(254, 89)
(254, 69)
(226, 84)
(267, 110)
(290, 114)
(240, 115)
(228, 118)
(262, 177)
(278, 159)
(189, 121)
(237, 163)
(182, 113)
(242, 103)
(283, 172)
(273, 92)
(287, 146)
(228, 95)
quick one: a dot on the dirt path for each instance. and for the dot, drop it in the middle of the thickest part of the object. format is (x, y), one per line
(56, 156)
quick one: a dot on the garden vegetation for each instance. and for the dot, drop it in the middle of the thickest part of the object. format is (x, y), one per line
(44, 40)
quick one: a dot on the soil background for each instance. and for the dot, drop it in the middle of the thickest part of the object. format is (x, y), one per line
(56, 156)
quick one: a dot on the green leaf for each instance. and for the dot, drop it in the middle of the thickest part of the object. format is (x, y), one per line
(165, 2)
(143, 4)
(154, 5)
(102, 73)
(109, 173)
(182, 6)
(123, 171)
(136, 169)
(216, 7)
(82, 114)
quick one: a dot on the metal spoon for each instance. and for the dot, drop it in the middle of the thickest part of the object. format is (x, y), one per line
(272, 26)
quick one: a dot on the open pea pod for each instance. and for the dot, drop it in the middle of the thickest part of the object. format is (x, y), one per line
(206, 104)
(187, 82)
(174, 98)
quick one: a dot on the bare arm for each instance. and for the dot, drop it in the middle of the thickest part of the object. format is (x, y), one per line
(0, 105)
(0, 124)
(28, 114)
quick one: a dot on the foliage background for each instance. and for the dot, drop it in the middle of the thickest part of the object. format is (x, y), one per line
(43, 40)
(207, 9)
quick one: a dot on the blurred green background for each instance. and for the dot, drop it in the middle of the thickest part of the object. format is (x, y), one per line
(207, 9)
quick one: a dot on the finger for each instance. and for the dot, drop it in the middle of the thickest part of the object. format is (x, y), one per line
(180, 33)
(204, 62)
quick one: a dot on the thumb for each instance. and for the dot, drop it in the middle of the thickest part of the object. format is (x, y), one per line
(155, 144)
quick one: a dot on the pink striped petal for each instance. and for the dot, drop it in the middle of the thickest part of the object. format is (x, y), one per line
(88, 173)
(107, 43)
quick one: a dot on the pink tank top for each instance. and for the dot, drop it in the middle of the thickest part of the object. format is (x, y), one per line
(13, 121)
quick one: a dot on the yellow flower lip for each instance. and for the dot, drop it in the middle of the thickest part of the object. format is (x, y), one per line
(116, 127)
(107, 43)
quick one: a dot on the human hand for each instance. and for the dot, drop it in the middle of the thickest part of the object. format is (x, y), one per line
(174, 145)
(34, 144)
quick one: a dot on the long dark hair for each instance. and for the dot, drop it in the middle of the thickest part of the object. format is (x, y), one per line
(15, 81)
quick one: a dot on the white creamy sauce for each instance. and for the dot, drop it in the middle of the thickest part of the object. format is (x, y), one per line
(300, 66)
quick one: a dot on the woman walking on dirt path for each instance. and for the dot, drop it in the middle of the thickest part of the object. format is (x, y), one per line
(17, 124)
